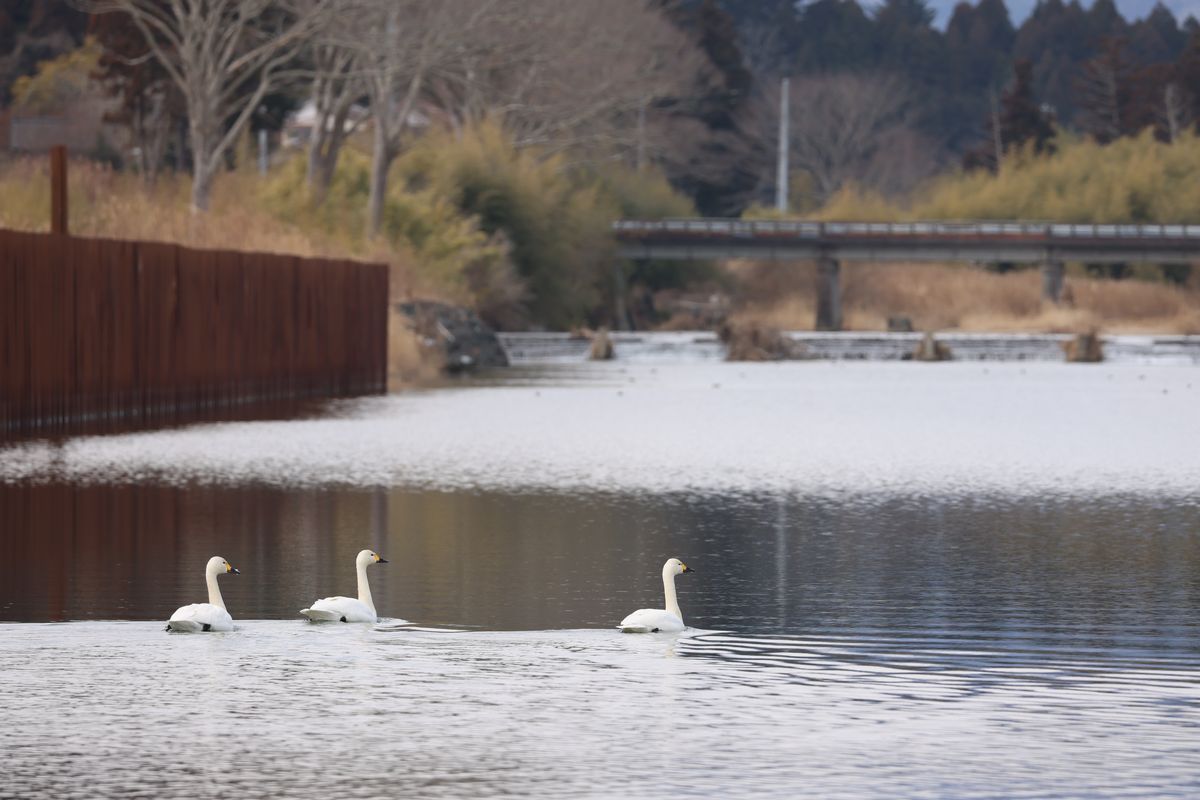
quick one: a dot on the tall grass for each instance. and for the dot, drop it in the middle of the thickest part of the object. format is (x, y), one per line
(1132, 180)
(938, 297)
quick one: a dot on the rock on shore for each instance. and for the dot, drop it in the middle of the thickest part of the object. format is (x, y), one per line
(466, 341)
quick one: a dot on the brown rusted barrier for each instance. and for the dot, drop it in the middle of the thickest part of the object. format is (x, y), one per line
(99, 333)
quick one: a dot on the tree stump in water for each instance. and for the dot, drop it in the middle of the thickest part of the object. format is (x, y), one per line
(1085, 348)
(602, 346)
(930, 349)
(752, 341)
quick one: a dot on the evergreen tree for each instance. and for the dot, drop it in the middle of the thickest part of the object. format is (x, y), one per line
(723, 169)
(1055, 40)
(1158, 38)
(1015, 121)
(1105, 92)
(979, 42)
(1022, 119)
(834, 36)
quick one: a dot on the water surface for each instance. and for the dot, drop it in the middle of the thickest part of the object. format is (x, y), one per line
(911, 580)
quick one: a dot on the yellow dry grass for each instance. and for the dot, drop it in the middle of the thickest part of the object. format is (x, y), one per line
(409, 361)
(108, 204)
(955, 297)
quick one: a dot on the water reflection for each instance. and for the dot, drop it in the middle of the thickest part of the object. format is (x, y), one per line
(1104, 572)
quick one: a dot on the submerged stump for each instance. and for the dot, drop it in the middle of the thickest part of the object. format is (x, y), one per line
(930, 349)
(1084, 348)
(602, 346)
(753, 341)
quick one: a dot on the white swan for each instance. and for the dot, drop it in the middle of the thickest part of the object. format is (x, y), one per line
(656, 620)
(210, 616)
(347, 609)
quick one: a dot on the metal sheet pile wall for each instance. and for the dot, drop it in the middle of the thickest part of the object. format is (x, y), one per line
(96, 332)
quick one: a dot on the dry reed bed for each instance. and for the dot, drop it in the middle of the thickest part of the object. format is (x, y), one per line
(955, 297)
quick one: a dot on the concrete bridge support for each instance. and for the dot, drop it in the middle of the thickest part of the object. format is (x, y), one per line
(1052, 280)
(829, 294)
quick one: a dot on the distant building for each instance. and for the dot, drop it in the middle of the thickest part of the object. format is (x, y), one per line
(80, 126)
(298, 128)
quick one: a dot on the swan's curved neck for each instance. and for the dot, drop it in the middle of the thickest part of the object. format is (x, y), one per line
(669, 591)
(364, 588)
(214, 591)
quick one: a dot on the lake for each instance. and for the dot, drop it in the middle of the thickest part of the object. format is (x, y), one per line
(911, 580)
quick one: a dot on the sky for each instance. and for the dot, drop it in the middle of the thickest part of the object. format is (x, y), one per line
(1130, 9)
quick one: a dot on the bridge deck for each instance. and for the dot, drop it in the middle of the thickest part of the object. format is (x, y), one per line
(1019, 242)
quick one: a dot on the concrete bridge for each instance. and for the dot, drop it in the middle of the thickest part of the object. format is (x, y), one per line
(1049, 245)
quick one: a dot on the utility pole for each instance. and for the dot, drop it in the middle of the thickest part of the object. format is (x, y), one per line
(641, 135)
(997, 141)
(781, 169)
(263, 154)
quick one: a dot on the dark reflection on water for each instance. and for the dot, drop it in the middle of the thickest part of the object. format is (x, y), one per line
(873, 647)
(1103, 572)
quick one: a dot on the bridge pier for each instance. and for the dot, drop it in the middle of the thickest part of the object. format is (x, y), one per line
(829, 294)
(1052, 280)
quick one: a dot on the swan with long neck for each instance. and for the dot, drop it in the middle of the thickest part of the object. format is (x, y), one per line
(660, 620)
(349, 609)
(210, 616)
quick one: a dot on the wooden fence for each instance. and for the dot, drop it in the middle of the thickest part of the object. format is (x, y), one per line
(103, 333)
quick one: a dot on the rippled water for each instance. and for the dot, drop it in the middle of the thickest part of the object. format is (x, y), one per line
(285, 709)
(911, 580)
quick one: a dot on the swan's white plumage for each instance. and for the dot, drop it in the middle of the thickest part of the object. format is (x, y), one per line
(652, 620)
(349, 609)
(210, 616)
(660, 620)
(340, 609)
(193, 618)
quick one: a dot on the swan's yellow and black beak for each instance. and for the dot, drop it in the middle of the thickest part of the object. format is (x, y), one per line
(380, 559)
(686, 568)
(233, 569)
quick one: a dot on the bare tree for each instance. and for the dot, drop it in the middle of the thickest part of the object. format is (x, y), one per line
(405, 46)
(225, 56)
(1176, 111)
(585, 75)
(337, 86)
(851, 128)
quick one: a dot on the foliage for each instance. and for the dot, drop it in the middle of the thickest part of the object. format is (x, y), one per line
(33, 31)
(57, 83)
(1016, 121)
(557, 220)
(524, 239)
(453, 254)
(1139, 180)
(1132, 180)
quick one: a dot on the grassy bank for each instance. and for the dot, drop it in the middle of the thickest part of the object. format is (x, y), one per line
(524, 239)
(1133, 180)
(937, 297)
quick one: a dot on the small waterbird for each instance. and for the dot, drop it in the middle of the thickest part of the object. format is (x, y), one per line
(658, 620)
(210, 616)
(347, 609)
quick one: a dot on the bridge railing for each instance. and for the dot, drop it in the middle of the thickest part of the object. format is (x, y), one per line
(751, 229)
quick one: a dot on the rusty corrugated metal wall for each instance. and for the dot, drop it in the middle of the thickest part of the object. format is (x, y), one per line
(96, 332)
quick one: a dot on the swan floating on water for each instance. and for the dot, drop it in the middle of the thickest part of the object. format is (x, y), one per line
(210, 616)
(347, 609)
(657, 620)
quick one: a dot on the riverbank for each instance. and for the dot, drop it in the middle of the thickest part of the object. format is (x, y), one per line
(966, 298)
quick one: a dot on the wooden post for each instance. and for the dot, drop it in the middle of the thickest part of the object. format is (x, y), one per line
(1052, 280)
(829, 294)
(58, 189)
(622, 322)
